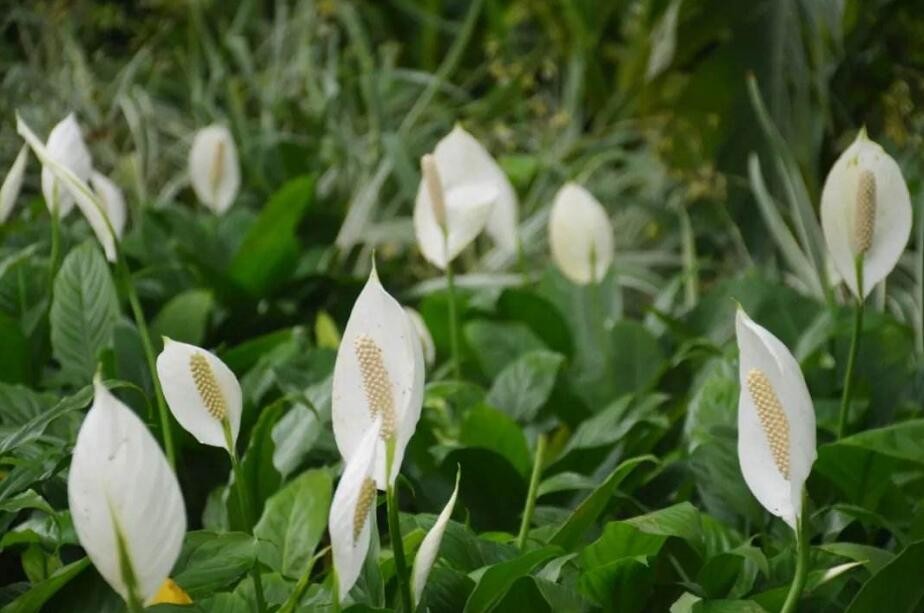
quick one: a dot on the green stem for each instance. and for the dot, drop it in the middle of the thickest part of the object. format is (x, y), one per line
(798, 581)
(453, 323)
(133, 604)
(142, 325)
(335, 590)
(394, 530)
(243, 500)
(852, 356)
(300, 587)
(55, 255)
(531, 494)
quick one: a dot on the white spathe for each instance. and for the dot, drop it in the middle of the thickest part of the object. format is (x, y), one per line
(12, 183)
(120, 487)
(201, 391)
(426, 339)
(86, 199)
(580, 235)
(214, 169)
(65, 146)
(377, 319)
(761, 351)
(891, 222)
(113, 201)
(472, 187)
(430, 547)
(349, 548)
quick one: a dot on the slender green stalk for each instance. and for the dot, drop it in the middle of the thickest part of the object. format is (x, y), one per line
(292, 601)
(798, 581)
(394, 530)
(453, 323)
(852, 356)
(133, 604)
(142, 325)
(335, 590)
(54, 259)
(531, 494)
(243, 499)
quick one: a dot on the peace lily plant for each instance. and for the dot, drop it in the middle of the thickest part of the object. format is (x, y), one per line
(580, 235)
(214, 169)
(377, 387)
(866, 220)
(460, 188)
(776, 433)
(125, 501)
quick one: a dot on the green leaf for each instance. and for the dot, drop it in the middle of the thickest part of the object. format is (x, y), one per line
(490, 429)
(524, 386)
(497, 344)
(210, 561)
(84, 311)
(259, 472)
(637, 358)
(268, 254)
(494, 581)
(569, 535)
(542, 317)
(896, 588)
(185, 317)
(293, 522)
(35, 598)
(34, 428)
(15, 359)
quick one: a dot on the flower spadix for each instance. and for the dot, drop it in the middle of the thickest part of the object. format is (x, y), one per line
(865, 214)
(580, 235)
(214, 170)
(460, 187)
(430, 546)
(378, 378)
(350, 510)
(67, 180)
(125, 501)
(66, 147)
(202, 392)
(12, 183)
(776, 421)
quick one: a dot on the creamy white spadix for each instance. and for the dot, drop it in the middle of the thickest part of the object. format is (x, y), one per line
(378, 375)
(124, 499)
(865, 214)
(67, 148)
(776, 421)
(214, 169)
(580, 235)
(460, 188)
(202, 392)
(349, 522)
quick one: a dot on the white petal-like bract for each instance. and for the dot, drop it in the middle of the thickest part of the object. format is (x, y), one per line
(430, 547)
(123, 495)
(776, 421)
(65, 146)
(354, 501)
(113, 201)
(580, 235)
(865, 212)
(469, 190)
(87, 201)
(9, 191)
(214, 169)
(426, 339)
(379, 372)
(201, 391)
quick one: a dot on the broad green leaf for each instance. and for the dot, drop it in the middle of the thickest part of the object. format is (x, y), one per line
(84, 311)
(872, 557)
(210, 561)
(896, 588)
(293, 522)
(38, 594)
(34, 428)
(490, 429)
(15, 359)
(494, 581)
(19, 404)
(497, 344)
(185, 317)
(523, 387)
(637, 358)
(542, 317)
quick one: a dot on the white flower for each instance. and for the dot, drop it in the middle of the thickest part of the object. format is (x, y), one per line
(430, 547)
(580, 235)
(87, 201)
(202, 392)
(9, 191)
(865, 213)
(66, 147)
(379, 373)
(776, 421)
(456, 196)
(113, 201)
(349, 521)
(124, 499)
(426, 339)
(214, 169)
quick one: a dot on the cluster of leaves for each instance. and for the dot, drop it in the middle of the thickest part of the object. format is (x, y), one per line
(641, 505)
